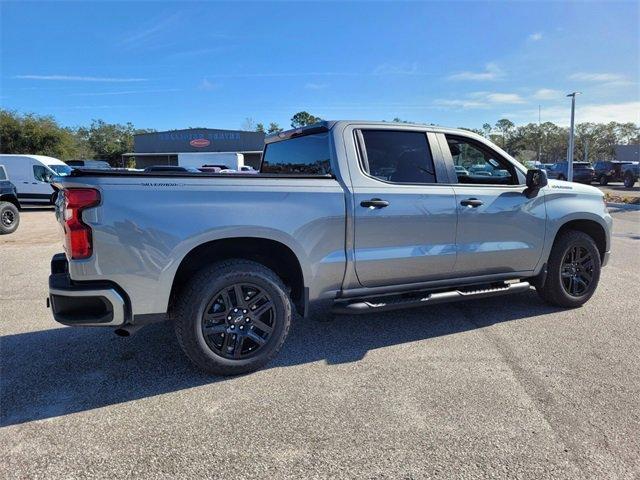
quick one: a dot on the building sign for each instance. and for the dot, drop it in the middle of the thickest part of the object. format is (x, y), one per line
(199, 142)
(198, 139)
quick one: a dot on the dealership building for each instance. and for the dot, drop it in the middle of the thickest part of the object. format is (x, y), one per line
(164, 148)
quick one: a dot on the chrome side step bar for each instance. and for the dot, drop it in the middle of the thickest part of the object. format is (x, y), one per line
(419, 299)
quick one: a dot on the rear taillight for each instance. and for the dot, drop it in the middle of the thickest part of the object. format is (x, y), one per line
(77, 234)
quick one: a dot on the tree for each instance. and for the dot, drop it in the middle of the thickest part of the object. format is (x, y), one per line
(34, 134)
(274, 128)
(302, 119)
(260, 127)
(474, 130)
(109, 141)
(505, 127)
(248, 124)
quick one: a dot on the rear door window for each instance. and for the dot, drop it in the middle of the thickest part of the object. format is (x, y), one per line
(397, 156)
(307, 155)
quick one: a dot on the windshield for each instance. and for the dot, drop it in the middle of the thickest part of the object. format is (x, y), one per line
(62, 170)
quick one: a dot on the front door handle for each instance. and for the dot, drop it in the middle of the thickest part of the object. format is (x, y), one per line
(374, 203)
(471, 202)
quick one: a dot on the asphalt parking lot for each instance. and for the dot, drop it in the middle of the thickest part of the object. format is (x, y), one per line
(500, 388)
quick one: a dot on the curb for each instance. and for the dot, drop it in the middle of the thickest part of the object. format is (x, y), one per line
(623, 206)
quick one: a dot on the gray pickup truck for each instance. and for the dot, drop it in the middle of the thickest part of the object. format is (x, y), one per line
(349, 216)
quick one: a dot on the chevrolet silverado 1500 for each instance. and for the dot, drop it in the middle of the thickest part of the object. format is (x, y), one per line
(354, 216)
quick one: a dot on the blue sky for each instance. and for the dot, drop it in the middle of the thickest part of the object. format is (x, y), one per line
(212, 64)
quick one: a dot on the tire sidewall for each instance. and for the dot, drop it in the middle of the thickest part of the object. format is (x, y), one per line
(4, 206)
(577, 241)
(208, 284)
(628, 181)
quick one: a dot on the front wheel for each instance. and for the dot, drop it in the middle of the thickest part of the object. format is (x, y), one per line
(9, 218)
(573, 270)
(232, 317)
(604, 180)
(562, 177)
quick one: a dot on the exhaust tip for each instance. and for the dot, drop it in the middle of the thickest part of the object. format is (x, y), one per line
(122, 332)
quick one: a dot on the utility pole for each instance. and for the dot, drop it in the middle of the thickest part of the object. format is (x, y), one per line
(571, 138)
(586, 150)
(539, 137)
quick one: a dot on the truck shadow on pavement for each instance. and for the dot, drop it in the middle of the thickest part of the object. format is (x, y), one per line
(56, 372)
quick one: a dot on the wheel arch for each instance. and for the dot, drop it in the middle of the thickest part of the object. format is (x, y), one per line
(11, 199)
(591, 227)
(273, 254)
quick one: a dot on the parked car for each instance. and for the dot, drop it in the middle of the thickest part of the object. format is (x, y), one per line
(32, 175)
(353, 216)
(582, 172)
(9, 204)
(99, 164)
(606, 171)
(460, 170)
(170, 169)
(208, 168)
(630, 174)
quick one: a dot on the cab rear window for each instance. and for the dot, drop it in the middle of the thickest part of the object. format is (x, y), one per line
(307, 155)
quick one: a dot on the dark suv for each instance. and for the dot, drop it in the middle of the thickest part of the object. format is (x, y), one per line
(9, 204)
(608, 171)
(582, 171)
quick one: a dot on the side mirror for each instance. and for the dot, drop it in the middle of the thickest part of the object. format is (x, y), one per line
(536, 179)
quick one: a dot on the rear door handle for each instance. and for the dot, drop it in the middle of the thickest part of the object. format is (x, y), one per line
(471, 202)
(374, 203)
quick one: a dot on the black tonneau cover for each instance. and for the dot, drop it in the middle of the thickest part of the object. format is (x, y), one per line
(94, 172)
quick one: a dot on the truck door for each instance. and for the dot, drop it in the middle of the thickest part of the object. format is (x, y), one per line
(404, 213)
(500, 229)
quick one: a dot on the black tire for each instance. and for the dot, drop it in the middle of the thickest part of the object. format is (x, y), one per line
(203, 289)
(603, 180)
(555, 290)
(629, 181)
(9, 218)
(562, 177)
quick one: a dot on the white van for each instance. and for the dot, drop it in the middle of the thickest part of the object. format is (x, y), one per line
(31, 175)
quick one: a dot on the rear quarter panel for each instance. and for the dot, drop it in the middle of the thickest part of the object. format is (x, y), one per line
(143, 228)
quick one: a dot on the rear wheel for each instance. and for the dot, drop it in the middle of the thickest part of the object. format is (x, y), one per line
(561, 177)
(629, 181)
(9, 218)
(232, 317)
(573, 270)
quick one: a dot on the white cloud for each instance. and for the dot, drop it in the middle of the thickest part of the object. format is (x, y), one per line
(596, 113)
(315, 86)
(510, 98)
(491, 72)
(597, 77)
(123, 92)
(207, 85)
(547, 94)
(535, 37)
(482, 100)
(396, 69)
(149, 33)
(75, 78)
(461, 103)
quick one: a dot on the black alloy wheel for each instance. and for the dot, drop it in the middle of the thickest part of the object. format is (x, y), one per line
(7, 218)
(238, 321)
(577, 271)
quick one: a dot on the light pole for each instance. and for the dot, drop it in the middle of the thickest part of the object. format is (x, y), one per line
(571, 139)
